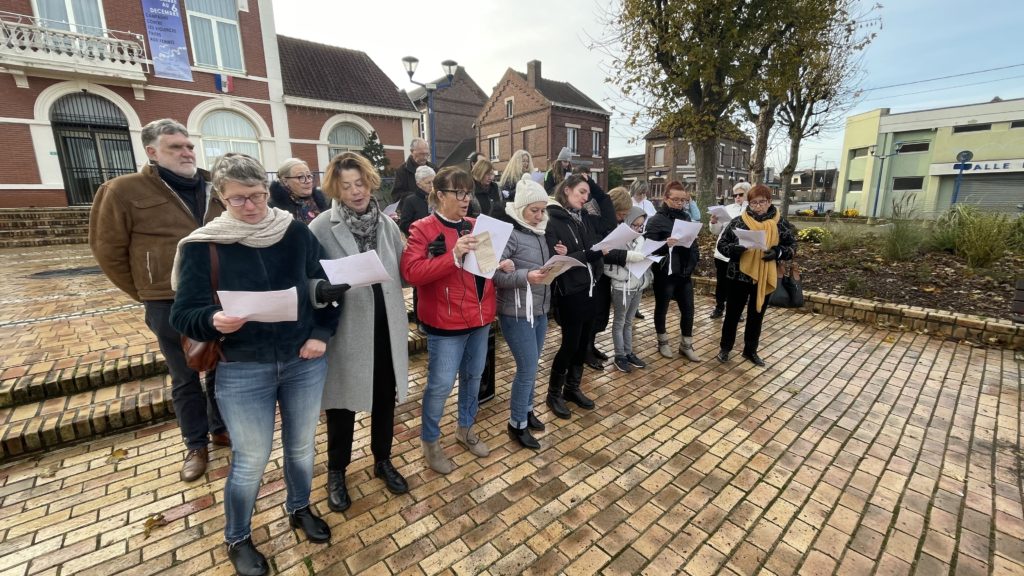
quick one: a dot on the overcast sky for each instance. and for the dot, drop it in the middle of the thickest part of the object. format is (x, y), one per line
(919, 40)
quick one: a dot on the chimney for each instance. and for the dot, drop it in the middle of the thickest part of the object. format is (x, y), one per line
(532, 73)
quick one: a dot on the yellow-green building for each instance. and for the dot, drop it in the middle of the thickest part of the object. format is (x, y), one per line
(887, 157)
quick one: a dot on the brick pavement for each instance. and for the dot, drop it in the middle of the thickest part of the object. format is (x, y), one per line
(858, 450)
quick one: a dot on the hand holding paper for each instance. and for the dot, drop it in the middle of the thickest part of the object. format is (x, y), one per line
(270, 306)
(361, 269)
(557, 265)
(721, 213)
(390, 209)
(617, 239)
(685, 232)
(492, 235)
(752, 239)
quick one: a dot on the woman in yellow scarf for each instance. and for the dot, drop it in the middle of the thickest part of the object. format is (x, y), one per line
(752, 272)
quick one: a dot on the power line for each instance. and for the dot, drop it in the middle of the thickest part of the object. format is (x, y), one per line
(942, 77)
(943, 88)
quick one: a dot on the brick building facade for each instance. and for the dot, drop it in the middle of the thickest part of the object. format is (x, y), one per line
(669, 158)
(77, 87)
(541, 116)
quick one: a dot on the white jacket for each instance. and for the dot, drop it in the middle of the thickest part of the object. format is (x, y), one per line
(622, 279)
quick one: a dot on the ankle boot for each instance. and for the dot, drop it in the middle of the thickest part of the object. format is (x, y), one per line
(434, 455)
(337, 493)
(686, 349)
(572, 392)
(664, 348)
(554, 400)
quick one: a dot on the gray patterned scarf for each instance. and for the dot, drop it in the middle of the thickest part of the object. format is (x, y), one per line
(363, 226)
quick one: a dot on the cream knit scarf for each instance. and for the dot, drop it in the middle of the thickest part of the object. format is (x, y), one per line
(226, 229)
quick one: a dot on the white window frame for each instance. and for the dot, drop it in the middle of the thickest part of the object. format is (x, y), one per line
(335, 149)
(721, 154)
(892, 184)
(216, 40)
(493, 148)
(849, 186)
(230, 140)
(654, 159)
(72, 25)
(572, 139)
(510, 107)
(902, 149)
(595, 143)
(732, 161)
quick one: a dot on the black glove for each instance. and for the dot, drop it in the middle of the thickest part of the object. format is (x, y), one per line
(772, 253)
(437, 247)
(327, 292)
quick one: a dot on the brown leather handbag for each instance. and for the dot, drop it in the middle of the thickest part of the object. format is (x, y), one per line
(202, 356)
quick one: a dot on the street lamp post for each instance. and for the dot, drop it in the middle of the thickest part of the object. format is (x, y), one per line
(881, 169)
(962, 159)
(449, 67)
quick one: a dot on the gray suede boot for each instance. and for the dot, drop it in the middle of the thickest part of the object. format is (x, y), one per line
(664, 347)
(434, 455)
(686, 349)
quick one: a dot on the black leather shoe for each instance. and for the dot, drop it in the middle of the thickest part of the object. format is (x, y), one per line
(523, 437)
(598, 354)
(246, 559)
(395, 482)
(593, 361)
(717, 313)
(558, 407)
(753, 357)
(316, 529)
(638, 315)
(723, 356)
(534, 423)
(337, 491)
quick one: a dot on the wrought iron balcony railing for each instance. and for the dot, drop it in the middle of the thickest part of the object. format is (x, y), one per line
(30, 42)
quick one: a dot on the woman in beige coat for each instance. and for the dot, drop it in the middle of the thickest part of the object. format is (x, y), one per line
(368, 361)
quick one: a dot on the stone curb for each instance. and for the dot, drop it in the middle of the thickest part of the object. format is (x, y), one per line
(976, 329)
(58, 421)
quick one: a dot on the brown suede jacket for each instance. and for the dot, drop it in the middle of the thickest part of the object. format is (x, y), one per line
(134, 228)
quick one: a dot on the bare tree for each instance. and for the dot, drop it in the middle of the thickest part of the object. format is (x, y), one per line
(823, 88)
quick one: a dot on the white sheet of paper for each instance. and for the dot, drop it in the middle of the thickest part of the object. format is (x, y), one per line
(617, 239)
(685, 232)
(390, 209)
(270, 306)
(752, 239)
(500, 232)
(363, 269)
(638, 269)
(650, 246)
(720, 212)
(557, 265)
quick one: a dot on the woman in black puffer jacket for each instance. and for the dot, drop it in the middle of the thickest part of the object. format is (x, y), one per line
(675, 283)
(574, 297)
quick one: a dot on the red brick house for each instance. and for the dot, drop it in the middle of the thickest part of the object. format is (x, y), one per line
(456, 108)
(78, 80)
(669, 158)
(528, 111)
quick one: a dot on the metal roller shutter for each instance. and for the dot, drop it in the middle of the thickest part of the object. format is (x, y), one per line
(993, 192)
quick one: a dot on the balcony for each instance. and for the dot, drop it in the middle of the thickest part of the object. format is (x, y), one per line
(32, 44)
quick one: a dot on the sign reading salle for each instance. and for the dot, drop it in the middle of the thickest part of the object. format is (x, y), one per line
(978, 167)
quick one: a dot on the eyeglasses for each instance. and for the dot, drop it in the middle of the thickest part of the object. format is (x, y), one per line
(675, 200)
(303, 177)
(761, 202)
(459, 194)
(257, 199)
(737, 195)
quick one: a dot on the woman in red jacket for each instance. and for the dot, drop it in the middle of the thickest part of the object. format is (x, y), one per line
(456, 309)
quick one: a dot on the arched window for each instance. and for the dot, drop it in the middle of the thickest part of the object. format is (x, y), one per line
(225, 131)
(345, 138)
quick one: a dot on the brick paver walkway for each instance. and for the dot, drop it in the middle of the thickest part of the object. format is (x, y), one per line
(858, 451)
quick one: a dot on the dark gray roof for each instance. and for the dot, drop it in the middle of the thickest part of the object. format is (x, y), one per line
(628, 163)
(565, 94)
(335, 74)
(419, 93)
(460, 154)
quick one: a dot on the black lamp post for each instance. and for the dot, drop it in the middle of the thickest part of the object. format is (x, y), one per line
(881, 169)
(449, 67)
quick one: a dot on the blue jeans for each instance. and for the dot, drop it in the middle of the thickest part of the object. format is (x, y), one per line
(622, 325)
(248, 393)
(447, 356)
(526, 343)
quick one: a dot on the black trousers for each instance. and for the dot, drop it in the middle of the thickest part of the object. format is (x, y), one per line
(666, 289)
(721, 283)
(341, 422)
(576, 317)
(742, 294)
(195, 408)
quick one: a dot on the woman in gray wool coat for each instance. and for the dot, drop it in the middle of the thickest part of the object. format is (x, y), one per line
(368, 363)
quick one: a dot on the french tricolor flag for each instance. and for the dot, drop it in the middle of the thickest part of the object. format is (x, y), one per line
(225, 83)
